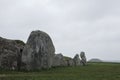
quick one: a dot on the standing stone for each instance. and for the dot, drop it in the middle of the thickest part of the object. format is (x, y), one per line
(69, 60)
(59, 60)
(39, 51)
(10, 52)
(83, 58)
(76, 60)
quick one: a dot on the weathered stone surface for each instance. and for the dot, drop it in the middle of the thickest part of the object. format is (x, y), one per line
(10, 56)
(39, 51)
(69, 60)
(76, 60)
(83, 58)
(59, 60)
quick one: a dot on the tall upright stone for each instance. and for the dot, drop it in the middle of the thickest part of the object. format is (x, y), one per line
(83, 58)
(39, 51)
(76, 60)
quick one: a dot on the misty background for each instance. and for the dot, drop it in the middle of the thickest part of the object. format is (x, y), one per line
(92, 26)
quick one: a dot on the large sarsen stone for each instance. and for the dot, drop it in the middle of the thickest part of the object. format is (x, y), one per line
(76, 60)
(39, 51)
(83, 58)
(10, 56)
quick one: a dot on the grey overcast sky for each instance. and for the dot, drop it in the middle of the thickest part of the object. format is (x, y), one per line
(92, 26)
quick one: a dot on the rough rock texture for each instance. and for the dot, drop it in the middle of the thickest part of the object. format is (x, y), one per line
(10, 56)
(83, 58)
(76, 60)
(69, 60)
(39, 51)
(59, 60)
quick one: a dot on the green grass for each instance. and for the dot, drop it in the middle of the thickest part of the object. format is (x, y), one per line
(93, 71)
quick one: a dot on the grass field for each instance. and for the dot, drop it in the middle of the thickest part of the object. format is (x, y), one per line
(93, 71)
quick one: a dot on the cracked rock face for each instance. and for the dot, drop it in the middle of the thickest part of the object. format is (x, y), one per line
(83, 58)
(59, 60)
(70, 62)
(10, 56)
(76, 60)
(39, 51)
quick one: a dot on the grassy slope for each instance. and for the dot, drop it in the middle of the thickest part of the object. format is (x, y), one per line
(93, 71)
